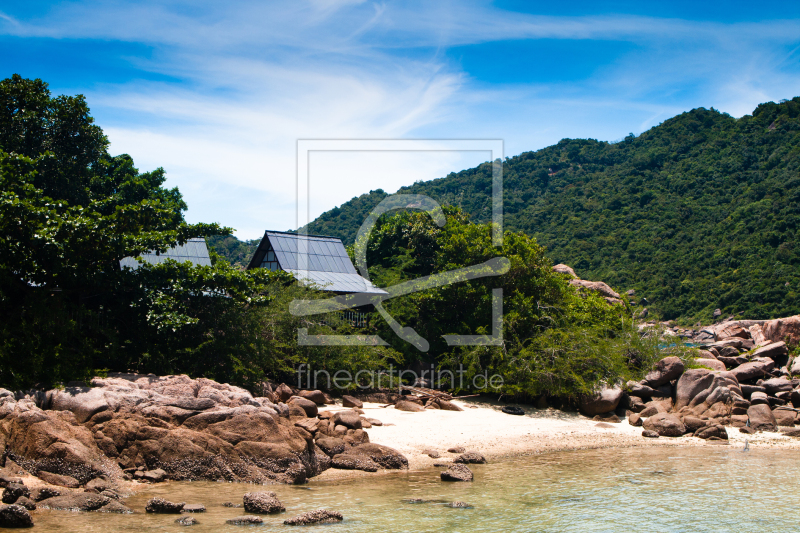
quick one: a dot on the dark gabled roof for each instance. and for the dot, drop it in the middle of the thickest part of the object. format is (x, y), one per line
(194, 251)
(314, 259)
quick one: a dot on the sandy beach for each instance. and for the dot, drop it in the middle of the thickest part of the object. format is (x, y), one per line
(484, 428)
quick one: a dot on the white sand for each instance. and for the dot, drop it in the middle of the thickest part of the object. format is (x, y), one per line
(482, 427)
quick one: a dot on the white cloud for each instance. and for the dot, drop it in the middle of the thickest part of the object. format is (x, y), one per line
(253, 77)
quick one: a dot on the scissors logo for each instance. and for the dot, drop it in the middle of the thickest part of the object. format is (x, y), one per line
(493, 267)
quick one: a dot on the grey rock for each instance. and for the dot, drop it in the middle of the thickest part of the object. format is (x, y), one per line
(246, 520)
(320, 516)
(160, 505)
(457, 472)
(15, 516)
(263, 503)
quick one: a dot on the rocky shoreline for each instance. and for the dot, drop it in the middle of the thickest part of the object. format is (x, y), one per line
(744, 378)
(86, 447)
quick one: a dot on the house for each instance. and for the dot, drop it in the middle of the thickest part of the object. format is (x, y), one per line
(194, 251)
(312, 260)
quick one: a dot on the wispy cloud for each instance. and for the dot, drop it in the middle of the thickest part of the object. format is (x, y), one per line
(246, 80)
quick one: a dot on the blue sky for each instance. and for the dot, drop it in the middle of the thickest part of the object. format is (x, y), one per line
(218, 93)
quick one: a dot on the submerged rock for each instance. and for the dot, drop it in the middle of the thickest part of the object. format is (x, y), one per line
(320, 516)
(263, 503)
(457, 472)
(194, 508)
(186, 521)
(246, 520)
(76, 501)
(160, 505)
(470, 458)
(459, 505)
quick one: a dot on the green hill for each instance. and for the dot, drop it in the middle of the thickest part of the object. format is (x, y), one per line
(699, 212)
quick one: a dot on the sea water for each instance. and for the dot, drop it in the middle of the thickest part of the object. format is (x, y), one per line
(663, 489)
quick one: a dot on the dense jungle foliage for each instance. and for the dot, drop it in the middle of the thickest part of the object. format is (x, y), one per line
(69, 212)
(698, 213)
(555, 341)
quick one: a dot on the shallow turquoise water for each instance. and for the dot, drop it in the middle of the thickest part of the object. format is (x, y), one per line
(709, 489)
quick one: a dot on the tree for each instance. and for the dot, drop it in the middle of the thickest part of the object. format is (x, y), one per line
(68, 213)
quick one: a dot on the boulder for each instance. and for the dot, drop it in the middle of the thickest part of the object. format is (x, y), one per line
(194, 508)
(632, 403)
(160, 505)
(665, 424)
(731, 329)
(283, 392)
(14, 491)
(352, 462)
(349, 419)
(384, 456)
(761, 418)
(656, 406)
(320, 516)
(262, 503)
(350, 401)
(748, 390)
(75, 501)
(641, 390)
(457, 472)
(666, 370)
(783, 329)
(775, 385)
(650, 434)
(759, 398)
(411, 407)
(595, 286)
(564, 269)
(42, 493)
(714, 432)
(446, 405)
(693, 423)
(156, 475)
(712, 364)
(700, 389)
(56, 479)
(246, 520)
(331, 445)
(757, 334)
(752, 370)
(605, 400)
(777, 351)
(308, 406)
(470, 458)
(316, 396)
(115, 507)
(15, 516)
(635, 420)
(456, 449)
(26, 502)
(784, 417)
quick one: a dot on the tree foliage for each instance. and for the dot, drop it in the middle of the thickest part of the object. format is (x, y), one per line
(697, 213)
(69, 212)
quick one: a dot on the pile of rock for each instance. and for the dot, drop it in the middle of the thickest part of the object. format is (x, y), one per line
(150, 428)
(739, 384)
(609, 294)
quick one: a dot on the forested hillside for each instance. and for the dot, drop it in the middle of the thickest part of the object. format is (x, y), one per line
(697, 213)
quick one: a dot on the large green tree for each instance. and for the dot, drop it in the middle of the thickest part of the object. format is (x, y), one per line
(69, 211)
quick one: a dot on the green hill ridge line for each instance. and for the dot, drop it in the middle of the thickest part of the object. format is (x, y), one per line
(698, 213)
